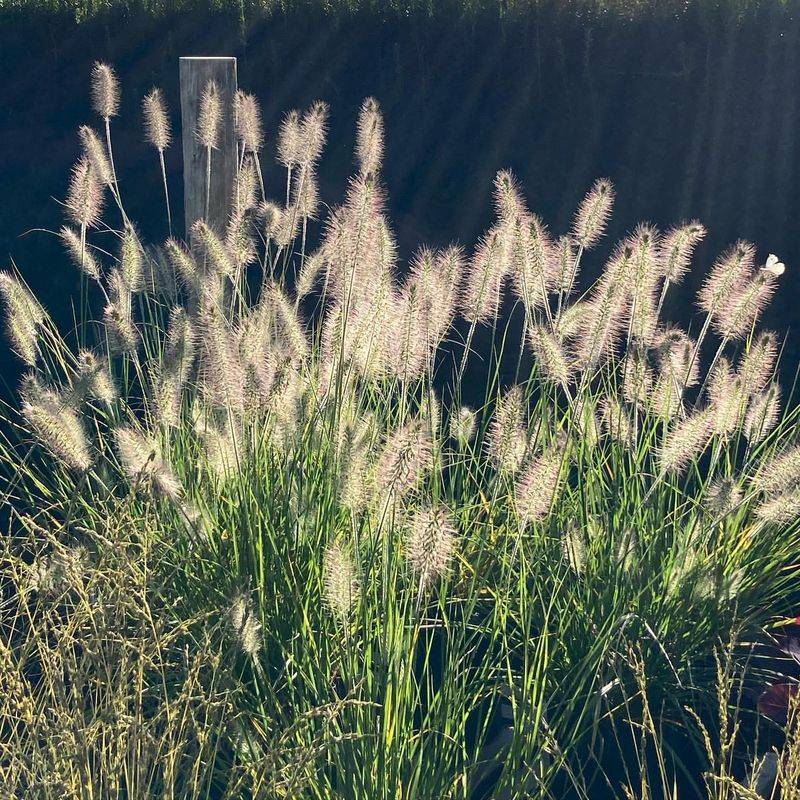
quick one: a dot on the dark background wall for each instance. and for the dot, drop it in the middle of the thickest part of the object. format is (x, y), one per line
(691, 115)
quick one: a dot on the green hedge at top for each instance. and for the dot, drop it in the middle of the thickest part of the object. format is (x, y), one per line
(85, 9)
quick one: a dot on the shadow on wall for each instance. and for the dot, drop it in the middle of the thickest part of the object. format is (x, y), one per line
(692, 116)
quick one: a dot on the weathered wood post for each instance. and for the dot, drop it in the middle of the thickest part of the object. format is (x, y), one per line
(195, 73)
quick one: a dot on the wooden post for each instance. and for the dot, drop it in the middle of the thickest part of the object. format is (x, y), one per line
(195, 73)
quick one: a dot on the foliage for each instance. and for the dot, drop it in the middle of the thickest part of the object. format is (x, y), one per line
(259, 546)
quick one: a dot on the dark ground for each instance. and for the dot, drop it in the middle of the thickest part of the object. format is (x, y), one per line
(690, 117)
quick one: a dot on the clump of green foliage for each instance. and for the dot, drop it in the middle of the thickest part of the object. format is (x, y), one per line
(253, 9)
(260, 547)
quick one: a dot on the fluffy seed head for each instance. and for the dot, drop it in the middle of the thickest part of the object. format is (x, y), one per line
(313, 132)
(537, 487)
(430, 543)
(95, 153)
(618, 422)
(730, 273)
(24, 316)
(562, 268)
(573, 545)
(305, 193)
(673, 350)
(590, 220)
(158, 130)
(223, 449)
(641, 282)
(508, 432)
(245, 193)
(309, 272)
(93, 379)
(121, 331)
(723, 495)
(131, 259)
(118, 316)
(57, 427)
(676, 250)
(79, 253)
(240, 242)
(84, 202)
(289, 329)
(686, 441)
(483, 286)
(637, 377)
(356, 480)
(247, 117)
(600, 326)
(209, 117)
(758, 363)
(290, 140)
(727, 399)
(369, 137)
(463, 425)
(140, 457)
(223, 377)
(184, 265)
(138, 453)
(340, 579)
(508, 202)
(404, 459)
(763, 414)
(166, 402)
(246, 627)
(532, 262)
(105, 90)
(778, 473)
(179, 344)
(551, 358)
(782, 509)
(214, 250)
(735, 319)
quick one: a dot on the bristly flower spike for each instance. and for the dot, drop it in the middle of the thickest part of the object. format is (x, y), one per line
(463, 425)
(507, 443)
(105, 90)
(313, 132)
(159, 134)
(536, 491)
(209, 117)
(369, 137)
(430, 544)
(758, 363)
(131, 260)
(341, 583)
(24, 317)
(79, 254)
(156, 120)
(93, 379)
(57, 426)
(676, 250)
(209, 129)
(592, 216)
(686, 441)
(84, 202)
(245, 625)
(763, 414)
(96, 155)
(247, 118)
(290, 140)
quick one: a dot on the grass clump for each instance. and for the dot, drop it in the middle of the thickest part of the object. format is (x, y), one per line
(268, 538)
